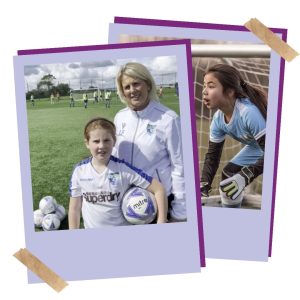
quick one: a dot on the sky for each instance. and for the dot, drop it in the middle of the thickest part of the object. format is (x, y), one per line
(99, 74)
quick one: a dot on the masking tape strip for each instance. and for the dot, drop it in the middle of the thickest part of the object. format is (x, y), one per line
(40, 269)
(271, 39)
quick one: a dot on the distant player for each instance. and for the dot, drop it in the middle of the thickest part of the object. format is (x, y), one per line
(32, 99)
(52, 99)
(85, 100)
(241, 114)
(107, 95)
(57, 97)
(95, 97)
(160, 92)
(176, 89)
(98, 183)
(72, 102)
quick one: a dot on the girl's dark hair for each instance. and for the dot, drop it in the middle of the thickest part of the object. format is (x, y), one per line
(99, 123)
(230, 78)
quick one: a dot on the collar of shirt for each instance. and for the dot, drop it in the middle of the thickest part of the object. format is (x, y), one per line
(143, 113)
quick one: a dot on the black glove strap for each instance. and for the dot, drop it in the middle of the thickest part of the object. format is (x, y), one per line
(247, 174)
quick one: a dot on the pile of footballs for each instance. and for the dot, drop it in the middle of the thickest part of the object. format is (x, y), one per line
(49, 215)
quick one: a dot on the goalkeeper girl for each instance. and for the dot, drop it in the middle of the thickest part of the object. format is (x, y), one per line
(241, 114)
(99, 182)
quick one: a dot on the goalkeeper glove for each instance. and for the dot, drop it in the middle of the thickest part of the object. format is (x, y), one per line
(205, 189)
(234, 185)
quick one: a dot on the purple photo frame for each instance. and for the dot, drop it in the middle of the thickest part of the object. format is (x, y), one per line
(140, 243)
(180, 29)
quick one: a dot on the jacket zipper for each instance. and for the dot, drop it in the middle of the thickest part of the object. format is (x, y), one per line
(157, 175)
(137, 126)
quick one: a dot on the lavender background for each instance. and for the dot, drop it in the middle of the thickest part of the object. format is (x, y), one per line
(117, 251)
(231, 234)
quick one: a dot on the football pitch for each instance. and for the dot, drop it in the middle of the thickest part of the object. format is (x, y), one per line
(56, 141)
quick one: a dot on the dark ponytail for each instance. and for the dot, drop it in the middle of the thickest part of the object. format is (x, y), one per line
(257, 97)
(230, 78)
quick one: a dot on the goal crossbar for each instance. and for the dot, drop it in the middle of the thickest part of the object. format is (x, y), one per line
(231, 50)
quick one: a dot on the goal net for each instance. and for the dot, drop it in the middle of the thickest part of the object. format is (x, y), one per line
(78, 94)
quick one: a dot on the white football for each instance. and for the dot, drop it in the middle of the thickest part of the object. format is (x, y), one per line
(50, 222)
(38, 218)
(60, 212)
(48, 205)
(139, 206)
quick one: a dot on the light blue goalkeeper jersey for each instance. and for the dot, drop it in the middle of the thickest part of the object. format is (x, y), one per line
(247, 125)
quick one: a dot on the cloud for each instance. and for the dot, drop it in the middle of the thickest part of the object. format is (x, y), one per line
(45, 69)
(74, 66)
(110, 72)
(31, 70)
(99, 73)
(163, 65)
(88, 73)
(98, 64)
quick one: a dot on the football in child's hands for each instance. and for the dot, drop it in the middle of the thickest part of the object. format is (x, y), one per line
(139, 206)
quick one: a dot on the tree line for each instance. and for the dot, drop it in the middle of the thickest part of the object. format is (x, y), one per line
(46, 87)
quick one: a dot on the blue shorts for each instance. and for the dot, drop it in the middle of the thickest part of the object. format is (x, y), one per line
(247, 156)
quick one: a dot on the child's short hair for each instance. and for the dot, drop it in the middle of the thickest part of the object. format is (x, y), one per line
(99, 123)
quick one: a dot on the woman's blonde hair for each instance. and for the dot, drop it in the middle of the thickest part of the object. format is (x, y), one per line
(139, 71)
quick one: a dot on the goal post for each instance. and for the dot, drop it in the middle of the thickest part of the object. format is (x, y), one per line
(78, 93)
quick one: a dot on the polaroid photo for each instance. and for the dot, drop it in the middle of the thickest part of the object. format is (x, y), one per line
(238, 84)
(83, 112)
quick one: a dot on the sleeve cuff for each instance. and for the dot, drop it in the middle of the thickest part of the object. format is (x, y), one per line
(178, 210)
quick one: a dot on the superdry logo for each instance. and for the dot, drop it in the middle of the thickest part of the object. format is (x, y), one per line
(98, 198)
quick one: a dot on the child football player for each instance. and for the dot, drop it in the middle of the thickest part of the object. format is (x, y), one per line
(241, 114)
(98, 183)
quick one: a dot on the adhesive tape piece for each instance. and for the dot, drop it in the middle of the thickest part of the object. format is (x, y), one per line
(40, 269)
(271, 39)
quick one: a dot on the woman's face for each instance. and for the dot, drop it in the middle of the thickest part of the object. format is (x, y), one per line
(136, 92)
(212, 94)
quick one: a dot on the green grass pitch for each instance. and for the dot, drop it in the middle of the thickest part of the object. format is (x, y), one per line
(56, 141)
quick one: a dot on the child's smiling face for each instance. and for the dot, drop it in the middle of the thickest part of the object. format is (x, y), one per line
(100, 144)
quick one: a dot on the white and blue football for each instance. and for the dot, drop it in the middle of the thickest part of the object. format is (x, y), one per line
(50, 222)
(48, 205)
(139, 206)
